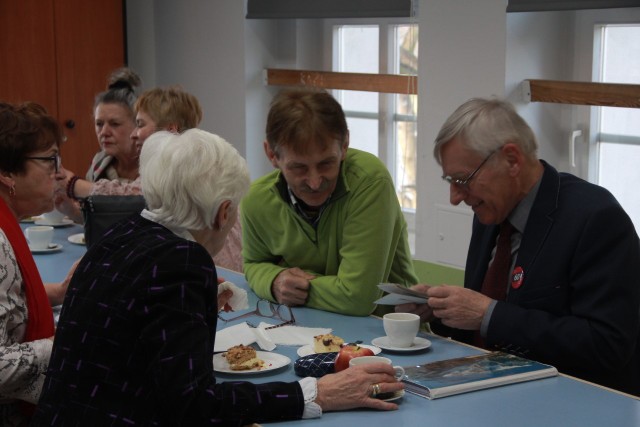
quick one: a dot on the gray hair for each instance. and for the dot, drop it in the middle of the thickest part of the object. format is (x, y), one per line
(186, 177)
(484, 125)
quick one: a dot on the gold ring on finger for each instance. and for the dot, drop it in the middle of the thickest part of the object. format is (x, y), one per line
(376, 390)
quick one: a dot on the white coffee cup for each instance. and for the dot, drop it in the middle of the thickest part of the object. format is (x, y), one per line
(39, 236)
(53, 217)
(363, 360)
(401, 328)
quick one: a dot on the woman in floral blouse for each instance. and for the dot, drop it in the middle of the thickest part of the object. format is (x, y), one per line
(29, 167)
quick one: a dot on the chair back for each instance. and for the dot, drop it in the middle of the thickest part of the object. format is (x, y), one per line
(101, 212)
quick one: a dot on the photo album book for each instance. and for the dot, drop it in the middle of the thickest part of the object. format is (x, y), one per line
(465, 374)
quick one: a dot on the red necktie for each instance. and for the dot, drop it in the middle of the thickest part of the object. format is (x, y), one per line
(495, 281)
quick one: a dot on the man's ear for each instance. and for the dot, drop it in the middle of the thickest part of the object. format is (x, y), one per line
(345, 146)
(271, 155)
(173, 128)
(515, 157)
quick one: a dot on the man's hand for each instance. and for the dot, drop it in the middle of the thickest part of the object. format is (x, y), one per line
(458, 307)
(423, 310)
(291, 286)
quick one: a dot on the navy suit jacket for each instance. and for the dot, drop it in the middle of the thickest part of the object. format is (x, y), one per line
(134, 343)
(578, 306)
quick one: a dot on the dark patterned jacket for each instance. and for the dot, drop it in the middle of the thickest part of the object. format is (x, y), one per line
(134, 343)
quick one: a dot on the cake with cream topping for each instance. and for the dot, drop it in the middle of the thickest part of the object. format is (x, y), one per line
(327, 343)
(242, 358)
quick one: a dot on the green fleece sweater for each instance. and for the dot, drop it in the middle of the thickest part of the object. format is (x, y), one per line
(360, 241)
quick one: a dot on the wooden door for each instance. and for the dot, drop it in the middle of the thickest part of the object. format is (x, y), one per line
(60, 53)
(90, 43)
(28, 53)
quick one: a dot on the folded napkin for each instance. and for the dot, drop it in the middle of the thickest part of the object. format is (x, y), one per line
(291, 334)
(239, 299)
(234, 335)
(265, 338)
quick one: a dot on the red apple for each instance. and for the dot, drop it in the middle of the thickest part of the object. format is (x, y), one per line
(348, 352)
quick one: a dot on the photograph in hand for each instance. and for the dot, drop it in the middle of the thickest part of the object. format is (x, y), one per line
(398, 294)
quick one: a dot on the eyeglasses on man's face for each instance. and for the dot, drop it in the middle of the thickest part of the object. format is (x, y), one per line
(464, 182)
(55, 159)
(269, 310)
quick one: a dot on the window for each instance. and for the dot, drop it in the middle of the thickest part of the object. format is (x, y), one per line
(382, 124)
(618, 129)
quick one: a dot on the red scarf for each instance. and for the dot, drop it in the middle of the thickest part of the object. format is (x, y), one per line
(40, 316)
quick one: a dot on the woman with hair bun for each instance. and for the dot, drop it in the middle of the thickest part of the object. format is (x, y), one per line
(115, 120)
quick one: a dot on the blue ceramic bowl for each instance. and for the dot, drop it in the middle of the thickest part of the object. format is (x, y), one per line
(315, 365)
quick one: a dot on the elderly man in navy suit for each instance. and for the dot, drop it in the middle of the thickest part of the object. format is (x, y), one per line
(564, 290)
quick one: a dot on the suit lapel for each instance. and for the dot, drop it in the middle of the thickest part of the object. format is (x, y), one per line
(538, 225)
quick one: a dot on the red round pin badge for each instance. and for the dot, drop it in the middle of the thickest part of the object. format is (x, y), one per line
(516, 277)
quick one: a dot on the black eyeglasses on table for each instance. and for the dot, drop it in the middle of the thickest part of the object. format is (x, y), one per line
(269, 310)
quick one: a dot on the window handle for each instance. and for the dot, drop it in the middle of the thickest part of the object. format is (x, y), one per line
(572, 147)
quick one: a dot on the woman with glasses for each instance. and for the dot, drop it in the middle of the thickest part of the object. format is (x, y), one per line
(135, 339)
(29, 166)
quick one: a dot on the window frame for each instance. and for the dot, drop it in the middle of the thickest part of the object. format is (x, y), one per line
(386, 115)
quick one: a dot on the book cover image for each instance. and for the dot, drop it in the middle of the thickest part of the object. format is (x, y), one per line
(454, 376)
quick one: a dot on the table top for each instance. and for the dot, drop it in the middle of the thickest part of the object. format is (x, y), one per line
(557, 401)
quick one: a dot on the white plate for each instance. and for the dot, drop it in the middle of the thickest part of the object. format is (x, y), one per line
(306, 350)
(418, 344)
(395, 396)
(53, 247)
(77, 239)
(63, 223)
(30, 219)
(271, 360)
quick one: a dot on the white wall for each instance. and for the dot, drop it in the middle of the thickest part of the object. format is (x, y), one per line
(540, 46)
(462, 55)
(198, 44)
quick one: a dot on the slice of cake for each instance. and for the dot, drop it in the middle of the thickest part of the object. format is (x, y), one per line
(242, 358)
(327, 343)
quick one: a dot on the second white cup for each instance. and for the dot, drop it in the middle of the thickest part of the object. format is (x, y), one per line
(39, 236)
(401, 328)
(363, 360)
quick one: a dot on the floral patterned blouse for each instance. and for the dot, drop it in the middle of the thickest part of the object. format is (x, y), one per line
(22, 365)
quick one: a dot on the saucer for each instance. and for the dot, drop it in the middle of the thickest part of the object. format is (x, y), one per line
(388, 397)
(418, 344)
(77, 239)
(30, 219)
(63, 223)
(53, 247)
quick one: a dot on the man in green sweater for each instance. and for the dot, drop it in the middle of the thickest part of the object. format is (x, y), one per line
(325, 227)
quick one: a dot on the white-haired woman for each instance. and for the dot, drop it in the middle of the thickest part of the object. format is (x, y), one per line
(136, 332)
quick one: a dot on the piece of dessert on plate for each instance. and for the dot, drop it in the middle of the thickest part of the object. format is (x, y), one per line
(327, 343)
(242, 358)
